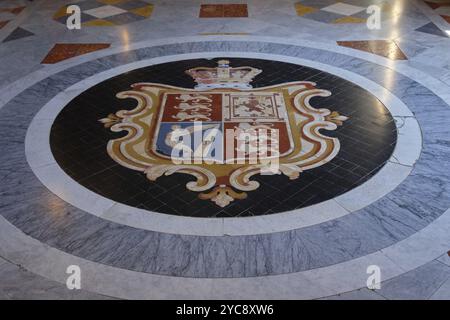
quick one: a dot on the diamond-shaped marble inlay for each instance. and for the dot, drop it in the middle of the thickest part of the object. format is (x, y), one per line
(302, 9)
(385, 48)
(344, 12)
(105, 11)
(223, 11)
(63, 51)
(343, 8)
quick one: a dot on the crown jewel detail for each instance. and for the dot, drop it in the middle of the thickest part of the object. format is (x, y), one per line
(223, 76)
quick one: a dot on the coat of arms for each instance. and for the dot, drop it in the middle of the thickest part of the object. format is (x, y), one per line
(223, 132)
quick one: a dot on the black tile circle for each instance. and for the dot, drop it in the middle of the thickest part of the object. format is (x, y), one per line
(78, 142)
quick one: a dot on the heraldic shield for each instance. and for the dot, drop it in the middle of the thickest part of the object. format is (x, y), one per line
(223, 132)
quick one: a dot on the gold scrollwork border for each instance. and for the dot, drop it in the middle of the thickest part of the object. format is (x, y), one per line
(311, 148)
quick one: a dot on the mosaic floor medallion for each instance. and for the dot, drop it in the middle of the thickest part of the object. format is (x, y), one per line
(225, 137)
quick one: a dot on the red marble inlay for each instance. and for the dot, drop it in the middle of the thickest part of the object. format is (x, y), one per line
(15, 10)
(385, 48)
(211, 11)
(233, 144)
(63, 51)
(223, 11)
(3, 23)
(446, 18)
(192, 107)
(235, 10)
(433, 5)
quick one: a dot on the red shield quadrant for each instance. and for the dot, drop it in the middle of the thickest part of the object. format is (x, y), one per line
(259, 117)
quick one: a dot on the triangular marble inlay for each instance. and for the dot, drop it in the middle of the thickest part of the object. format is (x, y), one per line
(63, 51)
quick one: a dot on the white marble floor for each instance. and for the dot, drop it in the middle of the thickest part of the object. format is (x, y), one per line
(398, 220)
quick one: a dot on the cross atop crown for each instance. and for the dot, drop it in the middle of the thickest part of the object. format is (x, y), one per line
(223, 76)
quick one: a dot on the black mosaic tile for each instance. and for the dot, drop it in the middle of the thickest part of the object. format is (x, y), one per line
(367, 139)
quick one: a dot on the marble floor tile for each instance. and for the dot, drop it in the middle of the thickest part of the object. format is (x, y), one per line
(441, 66)
(223, 11)
(14, 10)
(105, 11)
(3, 23)
(63, 51)
(98, 13)
(431, 28)
(361, 294)
(445, 258)
(384, 48)
(443, 293)
(343, 8)
(443, 10)
(302, 9)
(420, 283)
(433, 5)
(35, 287)
(323, 16)
(18, 33)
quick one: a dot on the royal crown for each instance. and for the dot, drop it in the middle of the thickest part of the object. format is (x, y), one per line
(223, 76)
